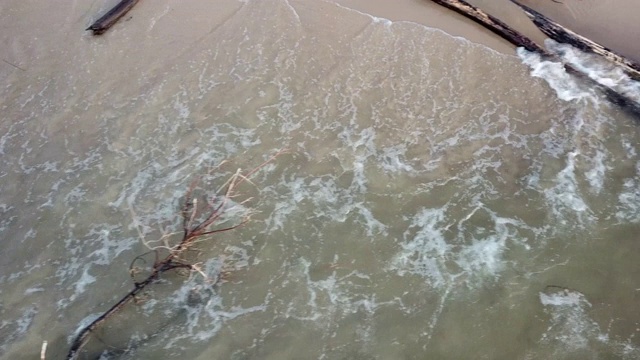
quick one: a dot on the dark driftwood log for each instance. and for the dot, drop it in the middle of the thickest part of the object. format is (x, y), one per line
(107, 20)
(517, 39)
(563, 35)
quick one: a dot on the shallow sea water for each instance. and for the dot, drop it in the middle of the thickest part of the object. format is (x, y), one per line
(438, 200)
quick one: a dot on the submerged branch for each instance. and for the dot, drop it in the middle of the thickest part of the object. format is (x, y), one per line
(194, 231)
(83, 336)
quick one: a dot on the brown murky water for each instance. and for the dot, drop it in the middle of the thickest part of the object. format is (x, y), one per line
(438, 201)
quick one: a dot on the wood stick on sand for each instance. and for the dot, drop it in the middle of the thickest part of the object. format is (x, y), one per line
(111, 17)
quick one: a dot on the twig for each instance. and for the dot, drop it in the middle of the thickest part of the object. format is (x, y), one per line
(14, 65)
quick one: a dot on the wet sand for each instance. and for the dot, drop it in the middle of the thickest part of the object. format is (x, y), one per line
(430, 14)
(611, 23)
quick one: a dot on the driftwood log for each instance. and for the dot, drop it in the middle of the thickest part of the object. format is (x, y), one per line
(563, 35)
(111, 17)
(519, 40)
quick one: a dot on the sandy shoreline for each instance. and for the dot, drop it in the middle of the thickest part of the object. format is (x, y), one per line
(430, 14)
(611, 23)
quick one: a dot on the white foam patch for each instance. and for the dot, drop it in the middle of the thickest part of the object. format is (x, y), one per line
(566, 86)
(371, 224)
(104, 243)
(393, 159)
(572, 330)
(332, 297)
(181, 106)
(293, 11)
(328, 198)
(629, 148)
(570, 326)
(565, 199)
(426, 252)
(204, 309)
(14, 330)
(287, 118)
(81, 284)
(110, 243)
(597, 68)
(6, 220)
(33, 290)
(628, 208)
(435, 240)
(82, 324)
(483, 255)
(597, 174)
(284, 208)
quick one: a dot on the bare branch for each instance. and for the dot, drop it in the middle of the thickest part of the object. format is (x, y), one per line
(192, 233)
